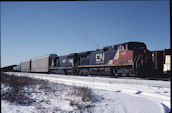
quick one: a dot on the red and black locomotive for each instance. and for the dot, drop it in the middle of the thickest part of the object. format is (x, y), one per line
(127, 59)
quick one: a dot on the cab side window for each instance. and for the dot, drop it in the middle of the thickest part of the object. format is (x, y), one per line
(122, 47)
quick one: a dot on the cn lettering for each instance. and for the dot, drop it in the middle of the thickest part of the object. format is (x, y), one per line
(100, 57)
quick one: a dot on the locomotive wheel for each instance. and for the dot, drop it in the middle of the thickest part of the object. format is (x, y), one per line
(114, 72)
(116, 75)
(65, 72)
(123, 74)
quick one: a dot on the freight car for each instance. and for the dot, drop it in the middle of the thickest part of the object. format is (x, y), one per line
(25, 66)
(40, 64)
(158, 59)
(162, 62)
(43, 64)
(167, 61)
(126, 59)
(17, 68)
(7, 68)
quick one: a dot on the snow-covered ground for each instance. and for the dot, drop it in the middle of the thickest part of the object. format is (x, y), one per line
(106, 102)
(117, 102)
(114, 95)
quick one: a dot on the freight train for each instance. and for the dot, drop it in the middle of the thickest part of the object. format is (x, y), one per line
(126, 59)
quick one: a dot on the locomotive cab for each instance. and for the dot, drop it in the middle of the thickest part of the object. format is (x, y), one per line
(134, 57)
(142, 58)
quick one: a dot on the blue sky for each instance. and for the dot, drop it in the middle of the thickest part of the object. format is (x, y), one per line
(33, 29)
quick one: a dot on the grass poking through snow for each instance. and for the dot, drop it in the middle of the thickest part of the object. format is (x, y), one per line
(46, 96)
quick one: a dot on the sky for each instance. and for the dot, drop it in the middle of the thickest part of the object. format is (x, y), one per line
(33, 29)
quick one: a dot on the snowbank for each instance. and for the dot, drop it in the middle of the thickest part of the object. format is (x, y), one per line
(153, 90)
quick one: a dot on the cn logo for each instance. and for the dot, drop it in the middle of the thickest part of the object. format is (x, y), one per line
(100, 57)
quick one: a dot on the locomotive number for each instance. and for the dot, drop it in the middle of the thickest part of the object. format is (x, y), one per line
(100, 58)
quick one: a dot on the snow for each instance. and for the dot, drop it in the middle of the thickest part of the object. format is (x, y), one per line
(113, 95)
(7, 107)
(117, 102)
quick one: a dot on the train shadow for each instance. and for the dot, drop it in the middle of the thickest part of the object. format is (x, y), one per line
(138, 92)
(118, 91)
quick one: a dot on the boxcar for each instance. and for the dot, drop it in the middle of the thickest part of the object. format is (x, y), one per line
(158, 59)
(25, 66)
(17, 68)
(167, 61)
(43, 64)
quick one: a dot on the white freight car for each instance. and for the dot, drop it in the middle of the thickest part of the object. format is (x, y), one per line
(167, 64)
(25, 66)
(42, 64)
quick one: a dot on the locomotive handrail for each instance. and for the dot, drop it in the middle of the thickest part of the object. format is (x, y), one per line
(136, 61)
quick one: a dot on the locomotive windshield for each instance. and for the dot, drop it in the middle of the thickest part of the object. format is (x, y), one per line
(136, 46)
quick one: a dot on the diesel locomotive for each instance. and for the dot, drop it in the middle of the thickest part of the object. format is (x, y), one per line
(126, 59)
